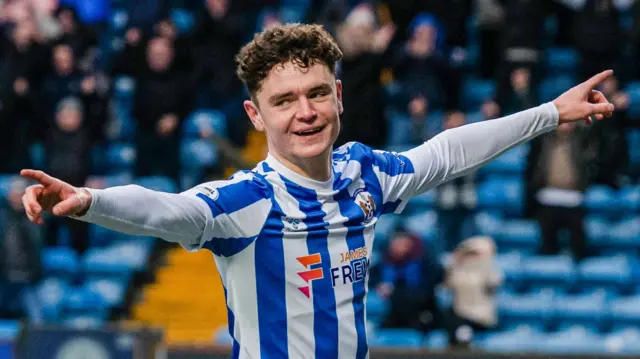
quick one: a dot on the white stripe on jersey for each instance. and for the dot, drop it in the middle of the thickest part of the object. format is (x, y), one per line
(242, 298)
(244, 223)
(337, 243)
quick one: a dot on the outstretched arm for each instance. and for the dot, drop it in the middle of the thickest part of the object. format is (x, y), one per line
(458, 151)
(129, 209)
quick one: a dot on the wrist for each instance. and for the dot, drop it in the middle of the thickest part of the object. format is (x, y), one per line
(85, 198)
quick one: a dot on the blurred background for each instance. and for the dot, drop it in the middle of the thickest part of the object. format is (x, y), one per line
(536, 252)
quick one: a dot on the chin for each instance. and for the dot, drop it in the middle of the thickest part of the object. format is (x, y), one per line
(313, 151)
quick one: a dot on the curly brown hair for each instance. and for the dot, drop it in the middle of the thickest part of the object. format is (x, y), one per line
(304, 44)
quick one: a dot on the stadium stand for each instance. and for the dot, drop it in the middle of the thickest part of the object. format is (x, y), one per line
(548, 303)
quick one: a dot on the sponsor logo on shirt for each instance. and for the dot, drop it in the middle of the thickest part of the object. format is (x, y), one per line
(210, 192)
(311, 274)
(353, 268)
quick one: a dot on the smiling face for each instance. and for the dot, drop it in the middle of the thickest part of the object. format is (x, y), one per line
(298, 108)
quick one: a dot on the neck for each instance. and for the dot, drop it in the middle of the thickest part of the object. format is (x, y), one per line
(317, 169)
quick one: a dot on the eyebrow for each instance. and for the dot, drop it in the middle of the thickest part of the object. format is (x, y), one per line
(277, 97)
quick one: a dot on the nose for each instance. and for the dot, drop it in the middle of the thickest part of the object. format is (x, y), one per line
(305, 112)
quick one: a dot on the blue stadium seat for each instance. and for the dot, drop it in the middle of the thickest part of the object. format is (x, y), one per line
(83, 321)
(562, 59)
(93, 11)
(502, 193)
(9, 330)
(421, 203)
(601, 199)
(37, 154)
(573, 341)
(60, 262)
(183, 19)
(50, 293)
(6, 182)
(511, 341)
(205, 120)
(423, 224)
(549, 271)
(629, 198)
(122, 126)
(625, 311)
(489, 223)
(512, 162)
(436, 340)
(553, 86)
(198, 154)
(625, 235)
(112, 291)
(120, 156)
(475, 92)
(135, 253)
(405, 338)
(376, 307)
(105, 263)
(80, 300)
(624, 341)
(385, 227)
(607, 272)
(597, 231)
(511, 265)
(399, 128)
(519, 234)
(531, 308)
(157, 183)
(588, 310)
(100, 236)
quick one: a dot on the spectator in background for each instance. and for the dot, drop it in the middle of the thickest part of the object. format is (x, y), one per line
(490, 20)
(600, 45)
(79, 37)
(515, 92)
(64, 80)
(221, 28)
(611, 151)
(423, 73)
(410, 271)
(473, 278)
(522, 39)
(455, 201)
(558, 173)
(161, 102)
(68, 154)
(364, 45)
(20, 244)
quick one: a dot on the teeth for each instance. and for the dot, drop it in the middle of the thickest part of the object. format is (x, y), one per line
(314, 130)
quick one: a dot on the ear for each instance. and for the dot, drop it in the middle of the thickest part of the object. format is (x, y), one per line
(254, 115)
(339, 95)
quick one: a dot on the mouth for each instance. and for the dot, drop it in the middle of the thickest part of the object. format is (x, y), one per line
(310, 132)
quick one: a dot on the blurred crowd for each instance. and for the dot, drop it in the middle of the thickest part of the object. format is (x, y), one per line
(59, 59)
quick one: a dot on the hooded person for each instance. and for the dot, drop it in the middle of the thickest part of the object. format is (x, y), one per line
(473, 278)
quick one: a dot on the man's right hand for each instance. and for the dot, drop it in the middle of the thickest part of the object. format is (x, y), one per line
(52, 195)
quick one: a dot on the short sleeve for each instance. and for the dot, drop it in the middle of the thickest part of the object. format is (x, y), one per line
(396, 174)
(238, 209)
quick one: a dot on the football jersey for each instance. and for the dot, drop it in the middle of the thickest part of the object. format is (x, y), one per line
(294, 253)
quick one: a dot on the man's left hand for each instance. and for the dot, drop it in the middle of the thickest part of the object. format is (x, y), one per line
(584, 102)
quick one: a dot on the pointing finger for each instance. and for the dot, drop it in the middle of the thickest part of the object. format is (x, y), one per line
(39, 176)
(594, 81)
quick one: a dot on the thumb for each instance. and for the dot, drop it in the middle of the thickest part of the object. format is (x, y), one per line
(601, 108)
(67, 207)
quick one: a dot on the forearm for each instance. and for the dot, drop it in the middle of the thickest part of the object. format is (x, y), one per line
(139, 211)
(461, 150)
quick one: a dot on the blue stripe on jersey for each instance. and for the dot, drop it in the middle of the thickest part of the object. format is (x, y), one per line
(325, 318)
(392, 164)
(355, 239)
(271, 287)
(227, 247)
(232, 321)
(236, 196)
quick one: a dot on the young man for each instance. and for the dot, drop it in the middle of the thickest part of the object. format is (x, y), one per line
(292, 237)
